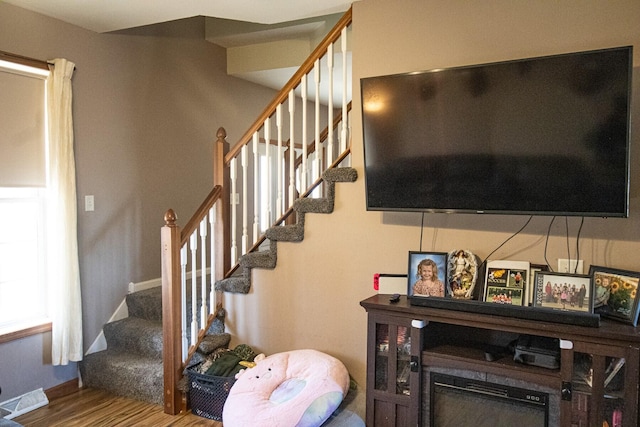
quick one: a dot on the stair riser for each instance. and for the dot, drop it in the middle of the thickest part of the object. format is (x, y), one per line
(135, 335)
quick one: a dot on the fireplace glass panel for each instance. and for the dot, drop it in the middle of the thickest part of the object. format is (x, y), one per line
(459, 401)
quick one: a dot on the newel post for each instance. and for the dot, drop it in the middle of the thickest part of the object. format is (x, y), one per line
(171, 323)
(221, 177)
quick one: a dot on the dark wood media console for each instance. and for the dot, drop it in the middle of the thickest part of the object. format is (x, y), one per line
(406, 342)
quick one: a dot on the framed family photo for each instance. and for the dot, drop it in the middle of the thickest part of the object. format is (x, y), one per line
(426, 274)
(616, 293)
(563, 291)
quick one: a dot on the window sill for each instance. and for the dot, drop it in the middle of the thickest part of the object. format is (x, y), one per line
(24, 330)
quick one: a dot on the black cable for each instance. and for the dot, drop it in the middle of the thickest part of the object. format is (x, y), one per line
(503, 243)
(421, 230)
(578, 245)
(566, 229)
(546, 243)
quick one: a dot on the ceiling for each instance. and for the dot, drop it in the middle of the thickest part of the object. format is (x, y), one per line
(230, 23)
(112, 15)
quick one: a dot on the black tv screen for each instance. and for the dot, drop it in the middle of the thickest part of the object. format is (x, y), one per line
(540, 136)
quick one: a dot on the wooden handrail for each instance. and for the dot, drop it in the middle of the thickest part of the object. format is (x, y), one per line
(293, 82)
(200, 213)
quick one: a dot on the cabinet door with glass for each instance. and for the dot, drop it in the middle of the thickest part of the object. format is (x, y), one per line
(603, 386)
(393, 373)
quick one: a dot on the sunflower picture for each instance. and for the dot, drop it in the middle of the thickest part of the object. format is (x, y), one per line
(615, 293)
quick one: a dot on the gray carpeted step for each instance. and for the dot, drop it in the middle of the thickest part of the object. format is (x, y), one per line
(124, 374)
(286, 233)
(146, 304)
(132, 334)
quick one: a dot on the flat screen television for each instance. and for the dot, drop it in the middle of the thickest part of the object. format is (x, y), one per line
(538, 136)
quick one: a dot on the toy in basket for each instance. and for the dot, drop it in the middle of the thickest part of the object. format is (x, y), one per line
(211, 380)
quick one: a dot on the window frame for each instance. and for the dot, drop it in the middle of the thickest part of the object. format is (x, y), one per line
(40, 323)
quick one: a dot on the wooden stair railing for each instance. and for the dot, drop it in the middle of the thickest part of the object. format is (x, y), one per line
(213, 224)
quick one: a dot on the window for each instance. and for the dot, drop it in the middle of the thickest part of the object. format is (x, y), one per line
(23, 187)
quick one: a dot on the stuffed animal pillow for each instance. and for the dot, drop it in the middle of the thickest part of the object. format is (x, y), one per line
(298, 388)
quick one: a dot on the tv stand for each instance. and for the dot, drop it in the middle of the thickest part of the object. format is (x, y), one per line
(406, 342)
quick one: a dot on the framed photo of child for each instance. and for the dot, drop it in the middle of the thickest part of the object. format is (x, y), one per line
(563, 291)
(427, 274)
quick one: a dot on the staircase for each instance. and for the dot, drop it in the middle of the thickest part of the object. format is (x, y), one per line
(216, 250)
(131, 366)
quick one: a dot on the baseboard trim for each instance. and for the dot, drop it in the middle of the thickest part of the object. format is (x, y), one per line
(147, 284)
(63, 389)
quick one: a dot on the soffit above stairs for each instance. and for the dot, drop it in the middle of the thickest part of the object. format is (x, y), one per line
(267, 55)
(113, 15)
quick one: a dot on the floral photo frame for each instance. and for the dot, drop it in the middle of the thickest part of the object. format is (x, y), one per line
(616, 293)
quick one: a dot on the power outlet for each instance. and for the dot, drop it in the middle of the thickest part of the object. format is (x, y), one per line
(569, 266)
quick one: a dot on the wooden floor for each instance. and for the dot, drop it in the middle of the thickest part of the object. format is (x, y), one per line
(96, 408)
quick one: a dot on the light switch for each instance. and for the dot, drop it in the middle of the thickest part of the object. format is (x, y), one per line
(88, 204)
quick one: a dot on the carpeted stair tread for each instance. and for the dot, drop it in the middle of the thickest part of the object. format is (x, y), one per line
(286, 233)
(124, 374)
(340, 175)
(146, 304)
(133, 334)
(308, 205)
(234, 284)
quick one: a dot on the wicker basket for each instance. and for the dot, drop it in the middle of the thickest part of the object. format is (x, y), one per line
(207, 394)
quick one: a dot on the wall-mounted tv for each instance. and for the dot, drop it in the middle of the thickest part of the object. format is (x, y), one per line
(539, 136)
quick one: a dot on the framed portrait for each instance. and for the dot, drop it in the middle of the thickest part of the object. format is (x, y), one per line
(615, 293)
(563, 291)
(506, 282)
(427, 274)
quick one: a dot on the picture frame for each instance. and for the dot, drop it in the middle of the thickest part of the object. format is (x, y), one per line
(532, 275)
(506, 282)
(420, 287)
(616, 293)
(563, 291)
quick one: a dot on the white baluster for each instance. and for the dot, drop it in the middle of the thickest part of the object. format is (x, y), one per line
(256, 188)
(343, 132)
(292, 150)
(318, 158)
(280, 196)
(303, 172)
(330, 106)
(212, 259)
(193, 243)
(233, 166)
(267, 138)
(204, 313)
(245, 214)
(183, 301)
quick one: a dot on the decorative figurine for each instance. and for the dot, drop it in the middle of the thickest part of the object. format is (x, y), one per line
(463, 273)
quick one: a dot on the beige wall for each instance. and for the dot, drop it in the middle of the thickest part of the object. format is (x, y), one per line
(312, 298)
(146, 111)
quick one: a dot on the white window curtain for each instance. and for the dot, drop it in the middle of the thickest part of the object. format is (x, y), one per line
(62, 243)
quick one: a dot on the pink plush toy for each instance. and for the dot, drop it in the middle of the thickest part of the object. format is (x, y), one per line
(298, 388)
